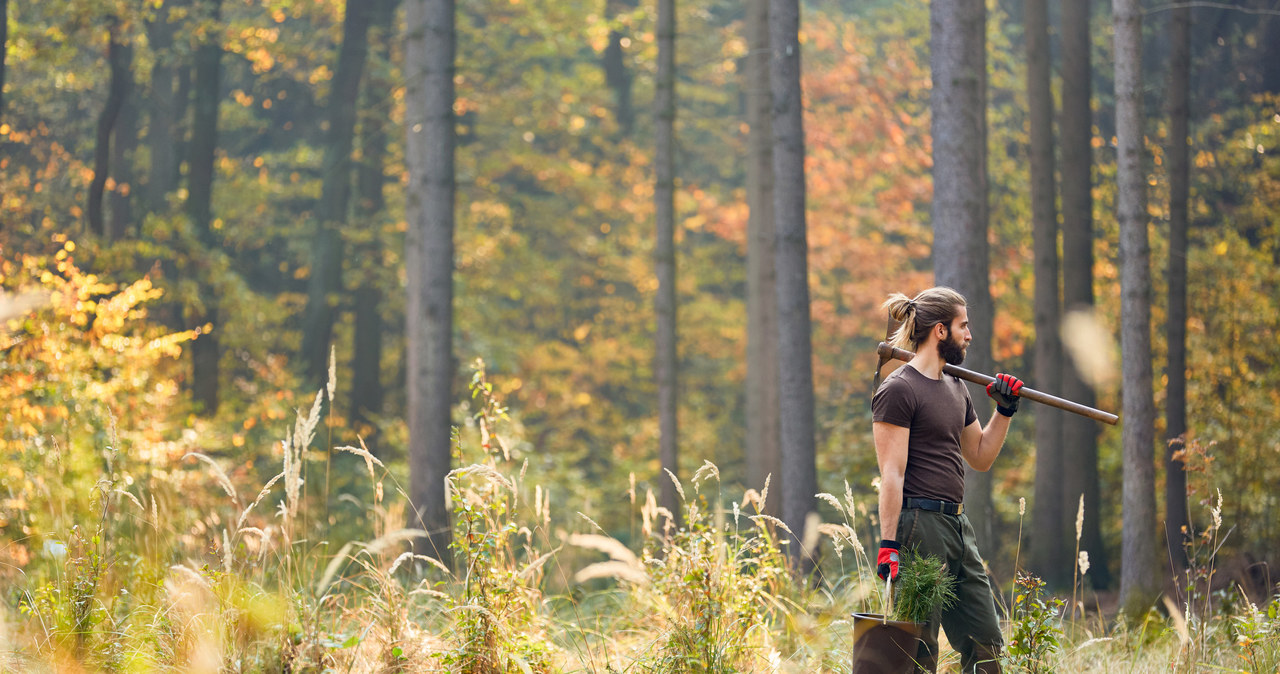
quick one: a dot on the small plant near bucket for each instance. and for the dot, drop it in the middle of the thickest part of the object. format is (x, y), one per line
(923, 588)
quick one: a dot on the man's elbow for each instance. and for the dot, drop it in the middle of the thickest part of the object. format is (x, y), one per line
(981, 464)
(891, 482)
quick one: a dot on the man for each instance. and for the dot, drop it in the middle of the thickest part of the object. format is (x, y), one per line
(924, 424)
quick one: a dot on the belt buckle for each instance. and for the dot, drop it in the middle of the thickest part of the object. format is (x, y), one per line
(959, 509)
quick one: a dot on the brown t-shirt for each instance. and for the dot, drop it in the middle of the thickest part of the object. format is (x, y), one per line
(936, 411)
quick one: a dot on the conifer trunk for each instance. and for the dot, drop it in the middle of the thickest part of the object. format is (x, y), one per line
(1176, 524)
(1048, 541)
(1139, 577)
(325, 281)
(430, 45)
(960, 252)
(1079, 435)
(763, 457)
(205, 351)
(119, 57)
(667, 358)
(799, 482)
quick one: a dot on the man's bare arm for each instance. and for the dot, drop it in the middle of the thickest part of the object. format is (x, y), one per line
(980, 446)
(891, 453)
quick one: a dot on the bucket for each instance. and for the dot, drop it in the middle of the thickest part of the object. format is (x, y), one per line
(884, 647)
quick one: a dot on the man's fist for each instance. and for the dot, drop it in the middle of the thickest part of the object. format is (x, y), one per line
(887, 561)
(1004, 390)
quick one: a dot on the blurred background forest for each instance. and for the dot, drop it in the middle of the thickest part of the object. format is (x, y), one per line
(204, 212)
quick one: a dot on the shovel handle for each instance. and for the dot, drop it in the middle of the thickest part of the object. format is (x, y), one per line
(886, 351)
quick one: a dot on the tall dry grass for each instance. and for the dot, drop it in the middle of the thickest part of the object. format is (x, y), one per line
(200, 569)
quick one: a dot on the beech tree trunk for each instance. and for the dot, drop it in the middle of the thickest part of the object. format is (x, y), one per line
(1049, 557)
(1176, 526)
(1140, 573)
(1079, 435)
(960, 252)
(667, 358)
(764, 460)
(430, 45)
(799, 481)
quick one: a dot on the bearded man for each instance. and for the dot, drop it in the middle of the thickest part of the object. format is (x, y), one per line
(925, 430)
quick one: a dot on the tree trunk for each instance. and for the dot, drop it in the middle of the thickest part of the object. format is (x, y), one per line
(616, 74)
(429, 259)
(1079, 435)
(664, 254)
(124, 143)
(4, 48)
(119, 58)
(958, 104)
(366, 380)
(1048, 540)
(1139, 577)
(799, 481)
(763, 455)
(1176, 526)
(164, 112)
(325, 281)
(205, 352)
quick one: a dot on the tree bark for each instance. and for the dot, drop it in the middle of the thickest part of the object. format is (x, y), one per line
(764, 460)
(205, 351)
(1048, 541)
(1139, 577)
(799, 482)
(429, 259)
(366, 381)
(1175, 524)
(325, 281)
(666, 358)
(4, 48)
(124, 143)
(960, 252)
(164, 112)
(616, 74)
(119, 59)
(1079, 435)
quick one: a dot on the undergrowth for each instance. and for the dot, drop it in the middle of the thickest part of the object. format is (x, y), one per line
(137, 549)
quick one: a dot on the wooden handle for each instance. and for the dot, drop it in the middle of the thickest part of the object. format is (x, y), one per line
(1029, 393)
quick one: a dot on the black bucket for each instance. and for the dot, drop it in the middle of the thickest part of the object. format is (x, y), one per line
(884, 647)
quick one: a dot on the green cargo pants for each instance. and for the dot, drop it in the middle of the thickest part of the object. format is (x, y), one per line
(971, 624)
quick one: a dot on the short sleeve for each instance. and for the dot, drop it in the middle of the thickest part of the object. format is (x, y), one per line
(894, 403)
(970, 415)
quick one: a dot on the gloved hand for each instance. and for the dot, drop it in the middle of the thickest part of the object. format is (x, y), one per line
(887, 560)
(1004, 390)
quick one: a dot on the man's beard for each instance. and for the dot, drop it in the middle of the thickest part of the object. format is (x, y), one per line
(951, 352)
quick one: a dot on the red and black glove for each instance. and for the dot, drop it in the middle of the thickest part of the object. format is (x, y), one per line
(887, 560)
(1004, 390)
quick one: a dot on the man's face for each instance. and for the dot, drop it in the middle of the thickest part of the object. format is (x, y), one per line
(956, 338)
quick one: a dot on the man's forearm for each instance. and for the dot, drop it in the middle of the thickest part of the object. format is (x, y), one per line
(890, 507)
(992, 441)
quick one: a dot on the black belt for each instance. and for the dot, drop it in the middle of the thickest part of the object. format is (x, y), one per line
(944, 507)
